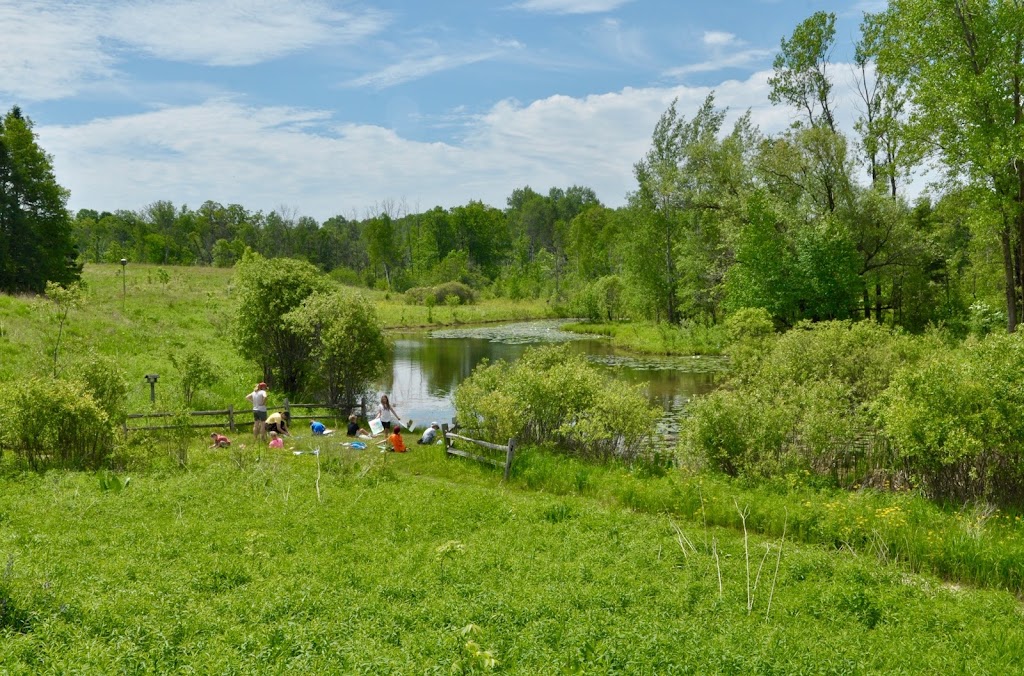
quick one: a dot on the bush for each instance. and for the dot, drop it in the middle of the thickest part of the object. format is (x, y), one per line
(600, 300)
(195, 370)
(798, 402)
(956, 418)
(56, 423)
(105, 380)
(459, 292)
(346, 343)
(347, 276)
(553, 396)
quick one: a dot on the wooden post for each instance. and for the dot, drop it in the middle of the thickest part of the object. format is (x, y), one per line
(447, 441)
(287, 409)
(508, 457)
(231, 417)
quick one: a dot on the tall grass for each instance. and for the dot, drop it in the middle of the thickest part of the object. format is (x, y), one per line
(973, 545)
(651, 338)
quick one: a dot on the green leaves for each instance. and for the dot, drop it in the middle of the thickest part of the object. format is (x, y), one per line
(801, 77)
(345, 340)
(554, 396)
(36, 244)
(266, 291)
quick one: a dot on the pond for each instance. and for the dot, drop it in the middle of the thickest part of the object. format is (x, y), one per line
(428, 366)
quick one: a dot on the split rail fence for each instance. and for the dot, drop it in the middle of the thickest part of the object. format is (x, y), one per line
(509, 450)
(231, 412)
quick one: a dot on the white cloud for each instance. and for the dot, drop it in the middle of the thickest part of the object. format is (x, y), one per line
(416, 67)
(54, 49)
(49, 50)
(264, 157)
(724, 50)
(628, 44)
(719, 38)
(230, 33)
(570, 6)
(742, 59)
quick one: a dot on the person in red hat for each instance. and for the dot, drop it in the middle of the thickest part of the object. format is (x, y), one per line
(258, 397)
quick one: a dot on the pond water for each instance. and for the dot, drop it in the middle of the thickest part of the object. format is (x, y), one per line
(428, 366)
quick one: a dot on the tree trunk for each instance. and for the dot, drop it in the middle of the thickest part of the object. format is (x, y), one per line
(1010, 279)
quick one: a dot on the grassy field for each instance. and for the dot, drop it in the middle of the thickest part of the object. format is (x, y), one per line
(359, 562)
(247, 560)
(161, 310)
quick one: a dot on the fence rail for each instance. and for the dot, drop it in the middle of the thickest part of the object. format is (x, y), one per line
(230, 412)
(509, 449)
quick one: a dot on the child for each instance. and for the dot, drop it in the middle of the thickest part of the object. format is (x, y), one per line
(388, 415)
(429, 434)
(278, 422)
(396, 441)
(276, 441)
(317, 427)
(219, 440)
(353, 427)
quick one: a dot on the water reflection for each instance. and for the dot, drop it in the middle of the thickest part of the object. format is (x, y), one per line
(428, 367)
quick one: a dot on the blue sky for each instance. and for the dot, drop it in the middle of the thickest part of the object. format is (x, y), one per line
(321, 108)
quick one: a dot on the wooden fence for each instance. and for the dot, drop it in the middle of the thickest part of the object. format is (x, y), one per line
(509, 449)
(230, 413)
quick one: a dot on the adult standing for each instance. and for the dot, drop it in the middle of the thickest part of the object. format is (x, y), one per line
(387, 413)
(258, 397)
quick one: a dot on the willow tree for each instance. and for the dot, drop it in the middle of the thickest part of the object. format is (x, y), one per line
(962, 62)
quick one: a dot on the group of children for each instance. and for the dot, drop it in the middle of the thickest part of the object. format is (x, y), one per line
(276, 425)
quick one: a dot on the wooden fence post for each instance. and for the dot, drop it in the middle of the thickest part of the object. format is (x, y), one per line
(447, 441)
(231, 417)
(287, 410)
(508, 457)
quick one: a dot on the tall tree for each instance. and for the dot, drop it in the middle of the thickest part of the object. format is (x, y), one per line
(267, 291)
(963, 65)
(689, 185)
(801, 76)
(36, 238)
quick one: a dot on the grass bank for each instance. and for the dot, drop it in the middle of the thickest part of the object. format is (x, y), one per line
(660, 339)
(357, 562)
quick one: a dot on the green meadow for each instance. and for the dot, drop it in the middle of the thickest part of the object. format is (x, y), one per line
(185, 559)
(361, 562)
(155, 311)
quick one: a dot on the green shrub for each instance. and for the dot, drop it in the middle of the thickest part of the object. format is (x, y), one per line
(600, 300)
(346, 343)
(551, 396)
(449, 293)
(956, 418)
(105, 380)
(56, 423)
(346, 276)
(195, 370)
(800, 401)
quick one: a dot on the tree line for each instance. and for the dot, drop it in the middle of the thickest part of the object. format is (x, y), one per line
(809, 223)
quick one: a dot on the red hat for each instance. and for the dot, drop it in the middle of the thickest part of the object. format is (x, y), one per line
(261, 386)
